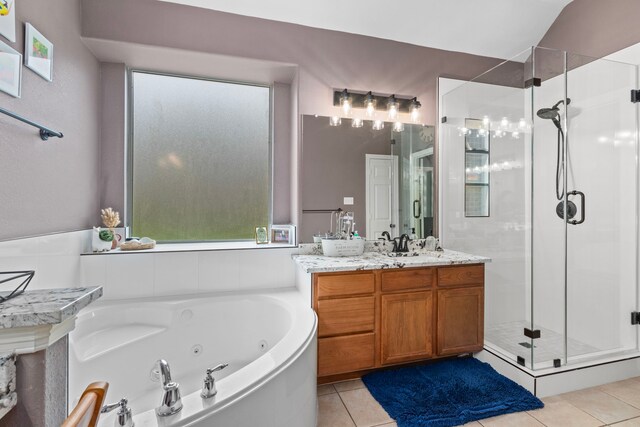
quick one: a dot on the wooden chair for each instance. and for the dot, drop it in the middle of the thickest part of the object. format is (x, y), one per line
(87, 411)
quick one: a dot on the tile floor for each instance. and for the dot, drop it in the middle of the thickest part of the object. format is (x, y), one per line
(349, 404)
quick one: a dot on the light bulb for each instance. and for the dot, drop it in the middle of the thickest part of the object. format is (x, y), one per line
(335, 121)
(481, 131)
(377, 125)
(415, 110)
(357, 123)
(522, 124)
(398, 127)
(392, 107)
(485, 121)
(504, 122)
(345, 102)
(370, 104)
(515, 135)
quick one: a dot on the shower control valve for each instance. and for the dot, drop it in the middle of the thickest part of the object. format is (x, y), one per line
(209, 385)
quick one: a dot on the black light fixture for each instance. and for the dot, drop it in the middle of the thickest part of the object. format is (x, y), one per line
(373, 103)
(414, 110)
(392, 107)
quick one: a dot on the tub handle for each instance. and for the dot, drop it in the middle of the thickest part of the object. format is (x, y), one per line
(209, 384)
(123, 416)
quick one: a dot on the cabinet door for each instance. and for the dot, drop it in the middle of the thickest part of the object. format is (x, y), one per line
(350, 353)
(460, 320)
(406, 327)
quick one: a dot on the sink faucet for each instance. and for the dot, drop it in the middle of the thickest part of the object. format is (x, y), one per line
(171, 400)
(401, 244)
(387, 235)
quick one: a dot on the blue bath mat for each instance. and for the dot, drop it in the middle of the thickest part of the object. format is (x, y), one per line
(447, 393)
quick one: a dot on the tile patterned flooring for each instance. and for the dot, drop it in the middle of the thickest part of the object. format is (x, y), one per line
(349, 404)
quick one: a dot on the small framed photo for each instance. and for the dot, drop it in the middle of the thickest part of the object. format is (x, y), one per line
(10, 70)
(262, 236)
(38, 53)
(283, 234)
(8, 19)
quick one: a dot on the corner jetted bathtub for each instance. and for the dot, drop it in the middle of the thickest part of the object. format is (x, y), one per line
(267, 338)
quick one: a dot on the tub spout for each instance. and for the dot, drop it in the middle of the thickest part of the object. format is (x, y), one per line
(171, 399)
(209, 385)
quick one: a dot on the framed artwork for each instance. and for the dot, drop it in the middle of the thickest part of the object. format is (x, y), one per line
(10, 70)
(262, 236)
(8, 19)
(283, 234)
(38, 53)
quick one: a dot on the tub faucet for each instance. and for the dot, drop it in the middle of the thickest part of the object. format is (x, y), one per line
(123, 416)
(171, 400)
(209, 385)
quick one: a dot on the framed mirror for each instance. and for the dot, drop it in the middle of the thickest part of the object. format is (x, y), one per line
(384, 176)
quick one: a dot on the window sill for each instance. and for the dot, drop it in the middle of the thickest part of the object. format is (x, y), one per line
(197, 247)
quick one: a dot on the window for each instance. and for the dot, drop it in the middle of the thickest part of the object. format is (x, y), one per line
(200, 153)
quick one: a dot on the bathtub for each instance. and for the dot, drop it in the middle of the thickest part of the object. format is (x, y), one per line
(267, 338)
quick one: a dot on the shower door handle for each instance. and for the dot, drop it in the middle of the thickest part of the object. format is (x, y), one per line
(582, 206)
(417, 203)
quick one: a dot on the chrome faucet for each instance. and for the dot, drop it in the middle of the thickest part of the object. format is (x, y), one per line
(171, 400)
(123, 416)
(209, 385)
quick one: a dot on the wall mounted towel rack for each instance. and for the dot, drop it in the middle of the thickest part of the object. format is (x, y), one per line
(45, 132)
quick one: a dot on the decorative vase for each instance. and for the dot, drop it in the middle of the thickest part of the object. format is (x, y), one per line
(97, 244)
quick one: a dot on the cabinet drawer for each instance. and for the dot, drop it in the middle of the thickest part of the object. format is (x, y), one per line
(345, 316)
(455, 276)
(420, 278)
(339, 355)
(344, 285)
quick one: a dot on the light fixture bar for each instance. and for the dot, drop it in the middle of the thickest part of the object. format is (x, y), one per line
(359, 100)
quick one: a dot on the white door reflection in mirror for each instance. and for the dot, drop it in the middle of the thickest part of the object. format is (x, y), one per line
(382, 195)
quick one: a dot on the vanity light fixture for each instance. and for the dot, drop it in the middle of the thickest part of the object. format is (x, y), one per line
(485, 121)
(345, 102)
(415, 110)
(504, 122)
(335, 121)
(357, 123)
(522, 124)
(398, 127)
(392, 107)
(377, 125)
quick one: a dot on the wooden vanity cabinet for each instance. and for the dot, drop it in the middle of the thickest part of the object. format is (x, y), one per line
(370, 319)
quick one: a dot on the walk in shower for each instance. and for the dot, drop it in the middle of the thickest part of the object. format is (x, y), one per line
(539, 171)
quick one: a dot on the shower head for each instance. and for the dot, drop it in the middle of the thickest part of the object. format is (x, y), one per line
(553, 113)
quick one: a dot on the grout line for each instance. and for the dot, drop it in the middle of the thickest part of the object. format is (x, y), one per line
(347, 408)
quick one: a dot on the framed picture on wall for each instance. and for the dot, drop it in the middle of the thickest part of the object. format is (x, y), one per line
(10, 70)
(38, 52)
(283, 234)
(8, 19)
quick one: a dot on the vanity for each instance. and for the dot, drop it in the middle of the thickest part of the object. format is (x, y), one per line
(34, 351)
(375, 311)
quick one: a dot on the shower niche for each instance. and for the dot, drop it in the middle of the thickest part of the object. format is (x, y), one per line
(561, 165)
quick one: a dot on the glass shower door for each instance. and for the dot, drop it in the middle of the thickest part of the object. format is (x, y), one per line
(602, 188)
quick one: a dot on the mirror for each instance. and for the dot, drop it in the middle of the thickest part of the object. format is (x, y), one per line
(383, 176)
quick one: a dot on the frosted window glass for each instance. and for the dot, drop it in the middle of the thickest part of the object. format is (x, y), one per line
(200, 158)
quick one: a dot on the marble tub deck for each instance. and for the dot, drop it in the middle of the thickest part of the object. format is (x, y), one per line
(46, 306)
(380, 260)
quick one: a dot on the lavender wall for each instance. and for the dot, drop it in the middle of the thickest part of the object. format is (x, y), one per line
(595, 27)
(51, 186)
(325, 59)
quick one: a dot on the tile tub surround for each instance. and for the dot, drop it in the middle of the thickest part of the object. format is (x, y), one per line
(379, 260)
(46, 307)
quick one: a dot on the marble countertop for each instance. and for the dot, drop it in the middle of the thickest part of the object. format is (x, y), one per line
(378, 260)
(46, 306)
